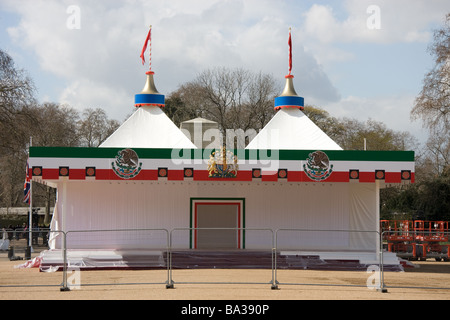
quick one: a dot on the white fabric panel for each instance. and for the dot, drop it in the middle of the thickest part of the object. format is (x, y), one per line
(312, 206)
(54, 238)
(307, 206)
(291, 129)
(112, 206)
(363, 204)
(148, 127)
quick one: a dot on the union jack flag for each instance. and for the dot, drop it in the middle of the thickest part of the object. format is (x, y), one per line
(27, 186)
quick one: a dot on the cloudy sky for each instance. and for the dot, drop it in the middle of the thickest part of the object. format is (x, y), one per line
(356, 58)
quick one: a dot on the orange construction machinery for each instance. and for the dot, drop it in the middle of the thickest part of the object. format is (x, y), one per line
(417, 239)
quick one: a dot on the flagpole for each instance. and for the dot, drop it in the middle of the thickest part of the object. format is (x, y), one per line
(30, 222)
(150, 49)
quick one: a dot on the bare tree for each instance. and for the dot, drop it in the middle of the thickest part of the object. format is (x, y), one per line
(432, 105)
(438, 154)
(94, 127)
(57, 125)
(234, 98)
(16, 95)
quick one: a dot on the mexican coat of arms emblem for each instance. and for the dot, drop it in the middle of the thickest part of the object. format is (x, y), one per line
(318, 167)
(126, 164)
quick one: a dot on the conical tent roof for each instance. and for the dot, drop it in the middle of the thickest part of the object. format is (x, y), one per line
(148, 127)
(291, 129)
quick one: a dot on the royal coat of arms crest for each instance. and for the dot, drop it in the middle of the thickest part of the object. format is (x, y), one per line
(318, 166)
(126, 164)
(222, 164)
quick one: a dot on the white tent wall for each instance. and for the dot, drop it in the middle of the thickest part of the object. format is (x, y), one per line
(100, 205)
(365, 217)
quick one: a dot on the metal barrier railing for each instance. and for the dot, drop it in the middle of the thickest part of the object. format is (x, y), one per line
(115, 232)
(274, 242)
(19, 241)
(341, 238)
(271, 249)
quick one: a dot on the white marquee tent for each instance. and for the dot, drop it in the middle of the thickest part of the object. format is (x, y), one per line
(292, 180)
(291, 129)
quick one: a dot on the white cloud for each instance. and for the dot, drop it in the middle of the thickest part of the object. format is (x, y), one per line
(99, 65)
(101, 59)
(80, 95)
(397, 21)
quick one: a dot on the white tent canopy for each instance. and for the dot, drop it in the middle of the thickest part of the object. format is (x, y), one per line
(148, 127)
(291, 129)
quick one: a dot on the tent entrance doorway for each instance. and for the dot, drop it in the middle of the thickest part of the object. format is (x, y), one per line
(217, 224)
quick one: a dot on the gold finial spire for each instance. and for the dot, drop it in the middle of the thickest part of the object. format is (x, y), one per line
(289, 87)
(149, 87)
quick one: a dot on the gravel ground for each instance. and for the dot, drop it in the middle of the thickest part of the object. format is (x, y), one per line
(294, 284)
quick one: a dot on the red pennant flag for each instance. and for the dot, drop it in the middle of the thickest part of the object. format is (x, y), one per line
(147, 40)
(290, 51)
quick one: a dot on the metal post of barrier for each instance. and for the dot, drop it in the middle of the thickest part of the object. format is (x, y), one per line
(275, 283)
(274, 261)
(274, 268)
(169, 284)
(64, 286)
(382, 288)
